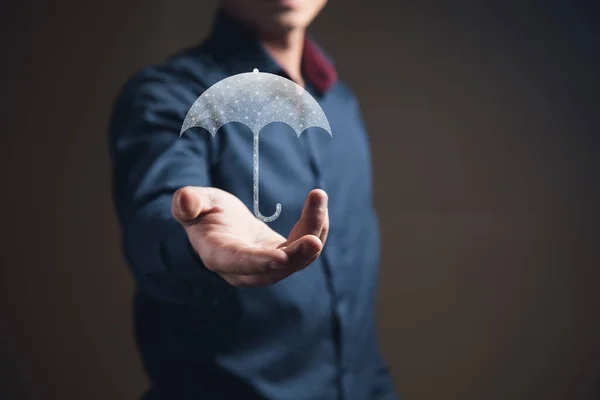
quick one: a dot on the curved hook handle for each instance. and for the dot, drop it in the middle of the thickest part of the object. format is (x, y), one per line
(255, 194)
(267, 219)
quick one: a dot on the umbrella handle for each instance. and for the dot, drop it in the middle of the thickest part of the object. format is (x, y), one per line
(256, 208)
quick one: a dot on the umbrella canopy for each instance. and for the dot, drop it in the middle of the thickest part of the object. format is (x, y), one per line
(256, 99)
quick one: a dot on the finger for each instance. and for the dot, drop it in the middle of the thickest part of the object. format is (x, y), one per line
(314, 219)
(251, 267)
(241, 281)
(261, 267)
(189, 203)
(299, 255)
(243, 260)
(302, 252)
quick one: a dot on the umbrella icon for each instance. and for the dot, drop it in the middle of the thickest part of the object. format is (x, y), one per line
(256, 99)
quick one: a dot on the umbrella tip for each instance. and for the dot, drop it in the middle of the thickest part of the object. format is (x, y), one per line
(255, 70)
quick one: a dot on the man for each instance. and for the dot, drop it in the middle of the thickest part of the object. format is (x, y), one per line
(229, 307)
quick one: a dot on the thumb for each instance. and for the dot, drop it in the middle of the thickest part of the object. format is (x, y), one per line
(314, 219)
(189, 203)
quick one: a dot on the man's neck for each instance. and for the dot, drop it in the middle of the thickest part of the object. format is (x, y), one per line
(287, 51)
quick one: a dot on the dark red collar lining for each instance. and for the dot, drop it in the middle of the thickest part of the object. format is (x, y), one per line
(317, 69)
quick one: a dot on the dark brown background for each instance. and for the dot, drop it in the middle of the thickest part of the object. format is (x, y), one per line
(485, 145)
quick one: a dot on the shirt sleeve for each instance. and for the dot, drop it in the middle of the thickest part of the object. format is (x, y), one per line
(150, 162)
(382, 387)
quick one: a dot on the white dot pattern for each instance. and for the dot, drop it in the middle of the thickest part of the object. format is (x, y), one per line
(256, 99)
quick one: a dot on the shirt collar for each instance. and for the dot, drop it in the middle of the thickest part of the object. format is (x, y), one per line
(236, 48)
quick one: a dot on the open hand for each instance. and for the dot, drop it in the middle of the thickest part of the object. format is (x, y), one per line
(242, 249)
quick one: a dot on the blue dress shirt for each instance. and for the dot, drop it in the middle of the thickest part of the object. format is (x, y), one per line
(311, 336)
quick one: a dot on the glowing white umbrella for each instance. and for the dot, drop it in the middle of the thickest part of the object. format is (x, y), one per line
(256, 99)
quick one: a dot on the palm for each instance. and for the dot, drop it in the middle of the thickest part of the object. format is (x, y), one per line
(232, 226)
(240, 247)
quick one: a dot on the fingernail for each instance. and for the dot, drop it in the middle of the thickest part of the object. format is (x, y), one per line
(178, 207)
(181, 208)
(321, 201)
(307, 251)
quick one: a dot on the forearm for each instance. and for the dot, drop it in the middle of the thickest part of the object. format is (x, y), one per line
(150, 162)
